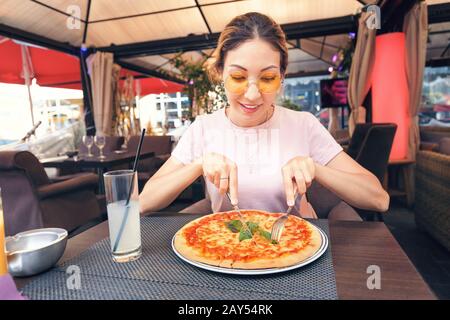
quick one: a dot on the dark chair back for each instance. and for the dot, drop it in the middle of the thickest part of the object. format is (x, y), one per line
(375, 148)
(158, 144)
(357, 139)
(321, 199)
(370, 146)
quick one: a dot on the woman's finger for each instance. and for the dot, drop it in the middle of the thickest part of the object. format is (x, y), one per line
(223, 180)
(208, 176)
(306, 174)
(217, 179)
(300, 181)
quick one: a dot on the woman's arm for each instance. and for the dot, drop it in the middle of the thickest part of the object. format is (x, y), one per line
(167, 183)
(352, 183)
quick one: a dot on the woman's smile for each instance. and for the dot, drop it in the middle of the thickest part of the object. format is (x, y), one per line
(249, 108)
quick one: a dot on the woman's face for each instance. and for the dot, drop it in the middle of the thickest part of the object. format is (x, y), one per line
(252, 80)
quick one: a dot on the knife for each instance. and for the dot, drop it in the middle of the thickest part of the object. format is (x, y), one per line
(241, 217)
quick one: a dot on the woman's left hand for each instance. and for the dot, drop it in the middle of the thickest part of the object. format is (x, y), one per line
(299, 171)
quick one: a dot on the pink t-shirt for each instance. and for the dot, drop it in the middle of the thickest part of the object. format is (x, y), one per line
(259, 153)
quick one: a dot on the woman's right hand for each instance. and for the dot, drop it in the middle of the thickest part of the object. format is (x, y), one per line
(222, 172)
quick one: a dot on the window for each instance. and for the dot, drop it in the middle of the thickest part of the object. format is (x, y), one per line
(171, 106)
(435, 102)
(303, 93)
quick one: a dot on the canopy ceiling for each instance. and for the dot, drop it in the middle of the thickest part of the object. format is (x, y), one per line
(131, 21)
(148, 34)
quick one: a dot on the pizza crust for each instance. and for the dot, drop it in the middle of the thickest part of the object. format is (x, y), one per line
(182, 246)
(285, 260)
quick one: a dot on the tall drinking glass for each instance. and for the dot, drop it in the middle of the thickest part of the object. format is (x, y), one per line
(123, 220)
(88, 141)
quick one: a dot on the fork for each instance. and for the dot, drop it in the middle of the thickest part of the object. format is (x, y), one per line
(278, 225)
(241, 217)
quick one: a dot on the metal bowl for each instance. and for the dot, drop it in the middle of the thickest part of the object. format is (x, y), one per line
(34, 251)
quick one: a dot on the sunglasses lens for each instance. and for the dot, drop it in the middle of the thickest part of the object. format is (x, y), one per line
(236, 84)
(269, 83)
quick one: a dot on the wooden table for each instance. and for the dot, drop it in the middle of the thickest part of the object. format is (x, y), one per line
(354, 246)
(100, 165)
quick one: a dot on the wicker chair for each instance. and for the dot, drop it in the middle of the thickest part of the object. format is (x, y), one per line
(432, 203)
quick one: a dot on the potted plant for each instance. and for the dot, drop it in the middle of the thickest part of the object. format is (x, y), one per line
(204, 95)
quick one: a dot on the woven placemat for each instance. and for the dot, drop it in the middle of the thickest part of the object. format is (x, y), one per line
(160, 274)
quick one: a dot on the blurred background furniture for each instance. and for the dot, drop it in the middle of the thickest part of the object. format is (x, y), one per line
(162, 148)
(399, 180)
(112, 161)
(112, 144)
(432, 198)
(370, 146)
(31, 201)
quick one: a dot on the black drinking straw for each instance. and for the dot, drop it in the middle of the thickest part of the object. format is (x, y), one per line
(125, 217)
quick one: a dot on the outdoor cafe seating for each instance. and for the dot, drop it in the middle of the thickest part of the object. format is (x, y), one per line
(370, 145)
(432, 181)
(31, 200)
(96, 95)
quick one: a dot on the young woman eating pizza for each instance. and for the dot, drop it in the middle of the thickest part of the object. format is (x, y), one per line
(263, 154)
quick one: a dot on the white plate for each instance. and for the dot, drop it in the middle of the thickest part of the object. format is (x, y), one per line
(314, 257)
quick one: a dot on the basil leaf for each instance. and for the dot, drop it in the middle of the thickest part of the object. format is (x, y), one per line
(234, 225)
(265, 234)
(244, 235)
(253, 227)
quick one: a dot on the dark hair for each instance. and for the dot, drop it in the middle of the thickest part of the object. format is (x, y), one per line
(252, 25)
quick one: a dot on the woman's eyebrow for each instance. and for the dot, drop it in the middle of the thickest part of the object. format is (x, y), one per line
(264, 69)
(269, 67)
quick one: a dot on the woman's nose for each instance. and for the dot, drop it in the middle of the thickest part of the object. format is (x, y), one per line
(252, 92)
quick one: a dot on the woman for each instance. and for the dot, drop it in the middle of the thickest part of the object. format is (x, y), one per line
(261, 153)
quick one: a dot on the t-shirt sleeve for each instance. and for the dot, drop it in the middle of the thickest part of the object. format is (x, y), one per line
(189, 147)
(322, 146)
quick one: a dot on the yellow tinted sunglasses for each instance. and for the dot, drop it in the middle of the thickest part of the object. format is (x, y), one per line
(238, 83)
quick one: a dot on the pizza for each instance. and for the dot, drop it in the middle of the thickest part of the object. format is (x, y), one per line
(219, 239)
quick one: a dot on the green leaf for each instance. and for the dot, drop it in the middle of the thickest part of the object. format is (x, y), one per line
(265, 234)
(234, 225)
(253, 227)
(244, 235)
